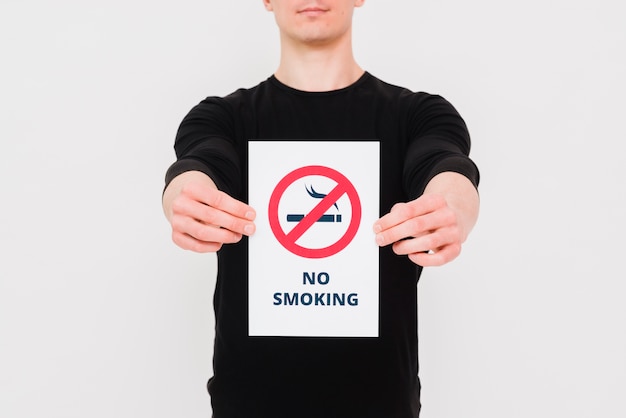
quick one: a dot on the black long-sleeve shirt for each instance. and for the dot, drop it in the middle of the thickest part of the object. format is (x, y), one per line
(421, 135)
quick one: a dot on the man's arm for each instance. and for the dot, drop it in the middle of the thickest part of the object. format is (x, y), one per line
(204, 218)
(432, 228)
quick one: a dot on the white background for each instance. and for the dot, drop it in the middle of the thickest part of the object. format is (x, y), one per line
(100, 315)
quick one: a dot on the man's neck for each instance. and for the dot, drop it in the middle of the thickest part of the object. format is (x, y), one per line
(318, 67)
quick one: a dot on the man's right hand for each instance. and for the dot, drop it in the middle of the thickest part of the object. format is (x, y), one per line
(204, 218)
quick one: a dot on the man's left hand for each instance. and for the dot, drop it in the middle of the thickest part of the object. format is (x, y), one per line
(431, 228)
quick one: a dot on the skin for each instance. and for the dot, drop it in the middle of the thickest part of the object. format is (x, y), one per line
(202, 217)
(431, 229)
(315, 43)
(316, 55)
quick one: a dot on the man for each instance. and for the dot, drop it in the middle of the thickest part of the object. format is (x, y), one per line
(428, 197)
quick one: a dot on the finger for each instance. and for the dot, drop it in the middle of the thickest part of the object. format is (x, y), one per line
(187, 242)
(411, 228)
(214, 207)
(427, 242)
(203, 232)
(220, 200)
(400, 212)
(416, 227)
(209, 215)
(438, 257)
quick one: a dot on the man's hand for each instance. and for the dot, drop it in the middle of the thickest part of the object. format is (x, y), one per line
(204, 218)
(431, 228)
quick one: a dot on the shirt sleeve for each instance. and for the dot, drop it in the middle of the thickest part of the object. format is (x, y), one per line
(438, 142)
(205, 142)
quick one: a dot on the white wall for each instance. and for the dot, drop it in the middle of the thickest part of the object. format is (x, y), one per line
(100, 315)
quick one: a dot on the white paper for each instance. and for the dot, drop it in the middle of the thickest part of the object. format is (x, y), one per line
(318, 275)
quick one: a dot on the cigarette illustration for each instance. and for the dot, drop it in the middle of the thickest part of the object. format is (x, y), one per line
(297, 217)
(323, 218)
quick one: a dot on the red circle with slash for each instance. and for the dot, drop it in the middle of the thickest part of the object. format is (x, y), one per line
(288, 240)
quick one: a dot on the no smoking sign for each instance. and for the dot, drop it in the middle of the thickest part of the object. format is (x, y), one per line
(302, 225)
(313, 261)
